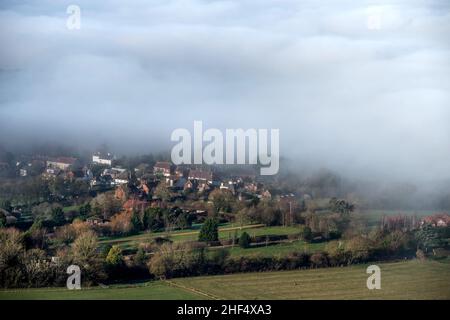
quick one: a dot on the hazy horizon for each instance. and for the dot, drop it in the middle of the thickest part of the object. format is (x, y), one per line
(354, 87)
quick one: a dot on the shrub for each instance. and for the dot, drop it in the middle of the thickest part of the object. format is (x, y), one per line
(11, 253)
(65, 235)
(177, 259)
(2, 220)
(121, 224)
(84, 254)
(358, 249)
(104, 250)
(139, 258)
(209, 231)
(307, 234)
(420, 255)
(114, 257)
(57, 215)
(336, 253)
(219, 257)
(244, 240)
(319, 259)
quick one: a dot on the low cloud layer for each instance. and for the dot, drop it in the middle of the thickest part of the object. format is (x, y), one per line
(352, 86)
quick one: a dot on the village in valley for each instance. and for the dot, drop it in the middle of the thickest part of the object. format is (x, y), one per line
(159, 184)
(110, 194)
(131, 218)
(224, 150)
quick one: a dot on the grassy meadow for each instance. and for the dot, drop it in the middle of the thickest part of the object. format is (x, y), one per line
(399, 280)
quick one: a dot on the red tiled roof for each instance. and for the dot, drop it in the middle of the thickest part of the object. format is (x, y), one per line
(200, 175)
(162, 165)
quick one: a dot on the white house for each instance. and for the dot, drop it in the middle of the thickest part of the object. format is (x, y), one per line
(62, 163)
(100, 158)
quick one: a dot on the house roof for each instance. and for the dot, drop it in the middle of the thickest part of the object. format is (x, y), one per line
(122, 175)
(65, 160)
(200, 175)
(142, 166)
(104, 156)
(162, 165)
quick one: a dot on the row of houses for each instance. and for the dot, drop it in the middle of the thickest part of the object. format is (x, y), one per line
(179, 178)
(203, 180)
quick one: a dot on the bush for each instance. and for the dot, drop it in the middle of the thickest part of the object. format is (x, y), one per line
(122, 224)
(244, 240)
(114, 257)
(11, 262)
(420, 255)
(209, 231)
(57, 216)
(319, 259)
(220, 256)
(2, 220)
(307, 234)
(104, 250)
(40, 272)
(21, 268)
(336, 253)
(358, 249)
(153, 219)
(139, 258)
(177, 260)
(115, 266)
(84, 254)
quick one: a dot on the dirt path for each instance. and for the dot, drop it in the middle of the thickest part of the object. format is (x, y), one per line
(193, 290)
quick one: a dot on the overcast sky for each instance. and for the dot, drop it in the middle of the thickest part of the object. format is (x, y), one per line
(351, 85)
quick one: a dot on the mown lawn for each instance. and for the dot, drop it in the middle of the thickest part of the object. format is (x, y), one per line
(71, 208)
(252, 230)
(278, 249)
(225, 232)
(400, 280)
(156, 290)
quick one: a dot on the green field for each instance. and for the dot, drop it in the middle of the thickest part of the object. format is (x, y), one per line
(225, 232)
(71, 208)
(400, 280)
(155, 290)
(373, 216)
(281, 249)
